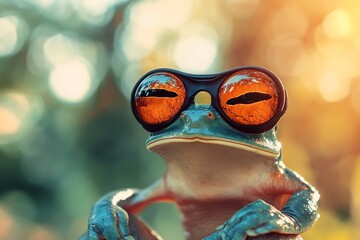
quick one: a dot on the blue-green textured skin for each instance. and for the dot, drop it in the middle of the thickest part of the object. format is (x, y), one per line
(112, 217)
(196, 123)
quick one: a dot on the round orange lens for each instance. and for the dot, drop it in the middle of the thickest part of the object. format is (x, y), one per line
(249, 97)
(159, 97)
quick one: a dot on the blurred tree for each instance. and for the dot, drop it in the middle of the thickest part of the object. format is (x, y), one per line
(67, 134)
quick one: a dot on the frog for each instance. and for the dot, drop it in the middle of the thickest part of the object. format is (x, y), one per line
(224, 163)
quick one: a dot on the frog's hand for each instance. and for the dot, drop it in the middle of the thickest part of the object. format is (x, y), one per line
(111, 217)
(260, 218)
(255, 219)
(303, 205)
(108, 220)
(276, 236)
(138, 230)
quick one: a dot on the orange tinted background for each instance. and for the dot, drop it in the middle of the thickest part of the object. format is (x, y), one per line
(67, 72)
(246, 82)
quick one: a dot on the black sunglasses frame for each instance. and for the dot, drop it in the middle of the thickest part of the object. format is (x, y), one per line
(195, 83)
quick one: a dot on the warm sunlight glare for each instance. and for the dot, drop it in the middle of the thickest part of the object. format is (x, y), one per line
(337, 24)
(58, 49)
(71, 82)
(16, 113)
(195, 53)
(10, 122)
(332, 87)
(8, 36)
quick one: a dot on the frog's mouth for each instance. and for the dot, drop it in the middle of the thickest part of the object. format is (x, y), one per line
(154, 145)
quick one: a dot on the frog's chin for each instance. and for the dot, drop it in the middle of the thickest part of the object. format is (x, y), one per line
(163, 142)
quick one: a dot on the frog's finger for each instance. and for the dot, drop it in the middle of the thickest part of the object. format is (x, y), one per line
(260, 230)
(108, 234)
(119, 228)
(128, 237)
(250, 212)
(93, 233)
(248, 222)
(234, 233)
(122, 222)
(110, 223)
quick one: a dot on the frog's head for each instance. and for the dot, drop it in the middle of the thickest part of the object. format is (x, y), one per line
(246, 104)
(202, 123)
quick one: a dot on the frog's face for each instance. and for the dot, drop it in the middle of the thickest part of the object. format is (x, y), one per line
(202, 123)
(246, 103)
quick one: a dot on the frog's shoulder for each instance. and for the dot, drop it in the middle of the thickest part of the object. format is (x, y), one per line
(278, 180)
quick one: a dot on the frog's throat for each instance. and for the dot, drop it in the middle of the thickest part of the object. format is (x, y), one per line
(153, 145)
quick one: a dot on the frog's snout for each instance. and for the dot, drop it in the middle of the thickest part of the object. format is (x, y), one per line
(209, 114)
(198, 118)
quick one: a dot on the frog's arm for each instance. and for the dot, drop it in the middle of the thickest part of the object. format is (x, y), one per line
(261, 218)
(303, 204)
(112, 217)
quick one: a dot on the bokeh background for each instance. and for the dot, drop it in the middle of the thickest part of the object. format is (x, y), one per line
(67, 67)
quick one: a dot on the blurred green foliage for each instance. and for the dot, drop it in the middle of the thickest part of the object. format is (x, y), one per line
(67, 134)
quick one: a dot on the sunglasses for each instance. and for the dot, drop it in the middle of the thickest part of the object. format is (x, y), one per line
(251, 99)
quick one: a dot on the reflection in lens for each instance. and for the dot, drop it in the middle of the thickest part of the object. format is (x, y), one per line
(159, 98)
(249, 97)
